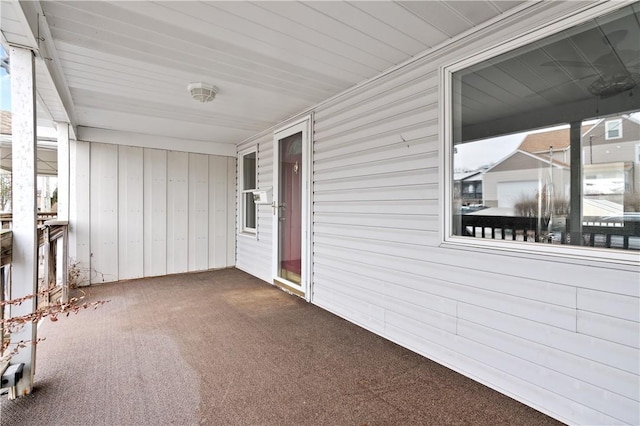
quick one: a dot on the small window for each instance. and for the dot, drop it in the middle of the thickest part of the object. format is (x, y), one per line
(534, 127)
(613, 129)
(248, 183)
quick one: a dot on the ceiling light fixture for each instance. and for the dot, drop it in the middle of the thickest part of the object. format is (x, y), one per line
(202, 92)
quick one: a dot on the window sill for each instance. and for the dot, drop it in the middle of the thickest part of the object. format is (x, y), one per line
(248, 234)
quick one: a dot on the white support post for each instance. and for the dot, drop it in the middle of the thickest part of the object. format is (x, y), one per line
(64, 167)
(63, 171)
(25, 243)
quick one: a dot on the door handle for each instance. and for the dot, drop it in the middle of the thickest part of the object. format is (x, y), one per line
(275, 206)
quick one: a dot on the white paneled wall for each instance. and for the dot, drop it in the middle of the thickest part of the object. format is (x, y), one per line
(198, 212)
(177, 212)
(104, 212)
(79, 208)
(561, 335)
(147, 212)
(221, 205)
(130, 213)
(155, 212)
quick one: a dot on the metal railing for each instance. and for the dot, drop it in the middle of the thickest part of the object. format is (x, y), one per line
(603, 234)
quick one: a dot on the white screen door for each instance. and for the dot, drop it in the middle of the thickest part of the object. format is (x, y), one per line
(291, 207)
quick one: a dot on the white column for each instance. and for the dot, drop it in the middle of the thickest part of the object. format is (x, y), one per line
(25, 244)
(63, 171)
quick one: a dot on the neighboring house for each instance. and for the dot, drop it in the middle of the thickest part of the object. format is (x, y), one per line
(521, 176)
(546, 143)
(610, 162)
(611, 157)
(468, 187)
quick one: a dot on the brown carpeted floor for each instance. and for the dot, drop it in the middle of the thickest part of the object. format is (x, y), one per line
(224, 348)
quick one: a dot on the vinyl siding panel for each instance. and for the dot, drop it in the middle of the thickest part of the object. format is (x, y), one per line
(557, 333)
(609, 304)
(377, 262)
(527, 392)
(254, 252)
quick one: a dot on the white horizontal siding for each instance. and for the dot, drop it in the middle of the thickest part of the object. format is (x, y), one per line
(609, 304)
(609, 328)
(588, 347)
(377, 262)
(253, 251)
(529, 381)
(558, 334)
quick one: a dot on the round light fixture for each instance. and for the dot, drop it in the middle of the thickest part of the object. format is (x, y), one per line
(202, 92)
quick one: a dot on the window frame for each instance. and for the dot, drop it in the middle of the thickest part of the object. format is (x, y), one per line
(607, 127)
(243, 228)
(579, 254)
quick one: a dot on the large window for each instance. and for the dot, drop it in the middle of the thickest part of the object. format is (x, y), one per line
(248, 184)
(548, 133)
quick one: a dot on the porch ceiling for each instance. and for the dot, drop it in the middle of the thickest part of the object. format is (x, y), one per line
(124, 66)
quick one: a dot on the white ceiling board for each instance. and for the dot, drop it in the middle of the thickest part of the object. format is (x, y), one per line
(473, 11)
(196, 113)
(125, 65)
(309, 41)
(273, 37)
(504, 5)
(215, 34)
(48, 94)
(405, 21)
(319, 22)
(14, 26)
(384, 35)
(186, 57)
(114, 74)
(441, 16)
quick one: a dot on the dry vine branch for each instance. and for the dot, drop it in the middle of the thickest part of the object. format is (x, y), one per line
(51, 311)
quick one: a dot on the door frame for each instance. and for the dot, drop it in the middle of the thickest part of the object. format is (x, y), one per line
(303, 125)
